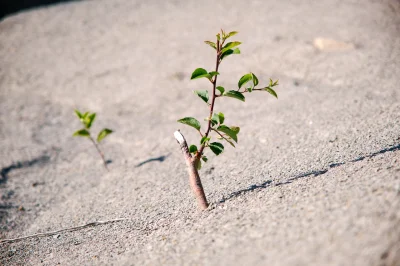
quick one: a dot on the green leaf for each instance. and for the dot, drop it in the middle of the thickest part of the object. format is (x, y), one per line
(230, 34)
(216, 148)
(104, 133)
(276, 82)
(215, 119)
(229, 46)
(200, 73)
(272, 92)
(228, 131)
(89, 120)
(236, 51)
(221, 89)
(204, 139)
(81, 133)
(244, 79)
(204, 158)
(213, 73)
(203, 95)
(255, 79)
(213, 45)
(78, 114)
(229, 52)
(190, 121)
(235, 129)
(250, 89)
(85, 115)
(198, 164)
(193, 149)
(221, 117)
(218, 37)
(235, 94)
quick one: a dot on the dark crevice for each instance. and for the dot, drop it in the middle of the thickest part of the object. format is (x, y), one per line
(312, 173)
(8, 7)
(4, 172)
(23, 164)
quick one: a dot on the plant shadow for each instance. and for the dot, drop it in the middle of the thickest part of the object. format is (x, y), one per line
(314, 173)
(156, 159)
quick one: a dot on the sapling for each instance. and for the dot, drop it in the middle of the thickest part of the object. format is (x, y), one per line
(87, 120)
(216, 120)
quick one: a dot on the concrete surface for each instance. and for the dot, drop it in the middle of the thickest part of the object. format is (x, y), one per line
(315, 179)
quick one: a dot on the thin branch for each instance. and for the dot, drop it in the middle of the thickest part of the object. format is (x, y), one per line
(223, 137)
(70, 229)
(100, 152)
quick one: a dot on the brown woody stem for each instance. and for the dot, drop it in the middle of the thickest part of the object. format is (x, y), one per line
(194, 178)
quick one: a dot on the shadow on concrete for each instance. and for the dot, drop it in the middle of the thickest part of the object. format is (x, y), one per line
(311, 173)
(8, 7)
(5, 205)
(157, 159)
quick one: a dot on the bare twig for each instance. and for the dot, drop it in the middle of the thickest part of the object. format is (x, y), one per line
(194, 178)
(70, 229)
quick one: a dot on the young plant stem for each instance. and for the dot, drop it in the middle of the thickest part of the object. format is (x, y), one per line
(214, 82)
(194, 178)
(100, 152)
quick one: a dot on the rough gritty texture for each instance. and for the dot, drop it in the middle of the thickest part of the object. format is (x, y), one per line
(315, 179)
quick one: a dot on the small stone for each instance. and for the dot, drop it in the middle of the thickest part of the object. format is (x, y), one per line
(56, 236)
(330, 45)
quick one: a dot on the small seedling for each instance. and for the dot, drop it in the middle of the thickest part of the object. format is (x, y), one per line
(216, 120)
(87, 120)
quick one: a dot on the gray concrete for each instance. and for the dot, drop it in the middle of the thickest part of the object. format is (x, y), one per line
(314, 180)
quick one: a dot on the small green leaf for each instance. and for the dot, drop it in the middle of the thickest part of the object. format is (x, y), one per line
(244, 79)
(276, 83)
(213, 73)
(193, 149)
(229, 52)
(203, 95)
(272, 92)
(216, 148)
(81, 133)
(85, 115)
(221, 117)
(229, 46)
(104, 133)
(200, 73)
(213, 45)
(230, 34)
(198, 164)
(250, 89)
(235, 129)
(215, 119)
(190, 121)
(89, 120)
(255, 79)
(204, 158)
(218, 37)
(78, 114)
(228, 131)
(235, 94)
(236, 51)
(204, 139)
(221, 89)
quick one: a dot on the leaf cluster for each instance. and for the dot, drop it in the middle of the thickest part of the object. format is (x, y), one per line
(87, 120)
